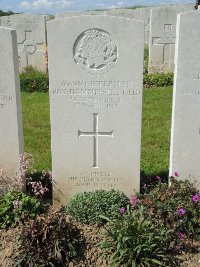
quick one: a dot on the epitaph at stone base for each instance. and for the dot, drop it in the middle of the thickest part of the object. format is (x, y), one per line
(96, 103)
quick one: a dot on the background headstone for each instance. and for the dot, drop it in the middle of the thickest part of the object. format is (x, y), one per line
(185, 132)
(11, 136)
(121, 12)
(163, 37)
(95, 76)
(72, 14)
(145, 16)
(142, 14)
(31, 38)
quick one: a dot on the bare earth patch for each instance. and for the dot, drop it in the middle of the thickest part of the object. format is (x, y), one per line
(89, 254)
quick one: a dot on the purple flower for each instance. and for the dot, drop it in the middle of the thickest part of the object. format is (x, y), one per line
(158, 178)
(16, 204)
(181, 211)
(133, 200)
(176, 174)
(145, 186)
(181, 235)
(122, 210)
(195, 198)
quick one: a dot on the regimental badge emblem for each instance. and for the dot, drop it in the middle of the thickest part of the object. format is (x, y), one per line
(95, 52)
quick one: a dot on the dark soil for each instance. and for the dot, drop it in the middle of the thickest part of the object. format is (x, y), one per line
(90, 254)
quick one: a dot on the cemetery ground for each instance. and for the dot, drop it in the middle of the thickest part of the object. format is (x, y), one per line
(154, 164)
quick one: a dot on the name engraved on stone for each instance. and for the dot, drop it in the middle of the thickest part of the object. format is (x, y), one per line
(95, 134)
(191, 93)
(95, 51)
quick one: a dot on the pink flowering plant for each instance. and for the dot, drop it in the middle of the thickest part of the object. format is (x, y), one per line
(178, 206)
(39, 184)
(136, 239)
(15, 206)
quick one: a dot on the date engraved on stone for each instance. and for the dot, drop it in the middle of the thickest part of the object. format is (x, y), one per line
(95, 52)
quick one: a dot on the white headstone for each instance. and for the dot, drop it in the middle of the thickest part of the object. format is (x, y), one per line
(163, 37)
(95, 76)
(145, 16)
(121, 12)
(31, 38)
(142, 14)
(11, 137)
(75, 14)
(185, 132)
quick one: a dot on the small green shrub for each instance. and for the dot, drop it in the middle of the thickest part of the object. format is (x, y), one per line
(158, 80)
(49, 240)
(17, 207)
(88, 207)
(136, 240)
(33, 80)
(178, 206)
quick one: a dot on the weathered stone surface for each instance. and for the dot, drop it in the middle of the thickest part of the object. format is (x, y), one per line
(11, 138)
(142, 14)
(185, 133)
(72, 14)
(31, 38)
(95, 76)
(121, 12)
(163, 37)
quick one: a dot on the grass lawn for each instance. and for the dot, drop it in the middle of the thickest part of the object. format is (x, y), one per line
(155, 129)
(36, 120)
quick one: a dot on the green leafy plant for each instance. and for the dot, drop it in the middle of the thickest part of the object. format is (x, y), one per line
(136, 240)
(17, 207)
(158, 80)
(87, 207)
(33, 80)
(49, 240)
(178, 206)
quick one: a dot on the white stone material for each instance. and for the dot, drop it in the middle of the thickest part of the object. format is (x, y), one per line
(145, 16)
(185, 132)
(31, 38)
(72, 14)
(122, 12)
(142, 14)
(11, 137)
(96, 86)
(163, 37)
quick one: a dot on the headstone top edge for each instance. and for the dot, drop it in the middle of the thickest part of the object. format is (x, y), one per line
(51, 22)
(189, 12)
(26, 14)
(8, 29)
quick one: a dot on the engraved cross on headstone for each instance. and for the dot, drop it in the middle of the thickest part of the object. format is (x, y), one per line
(95, 134)
(29, 46)
(167, 41)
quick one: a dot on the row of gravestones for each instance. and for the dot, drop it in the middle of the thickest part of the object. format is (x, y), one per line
(160, 34)
(96, 74)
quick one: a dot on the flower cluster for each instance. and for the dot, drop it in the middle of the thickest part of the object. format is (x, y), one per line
(38, 189)
(16, 204)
